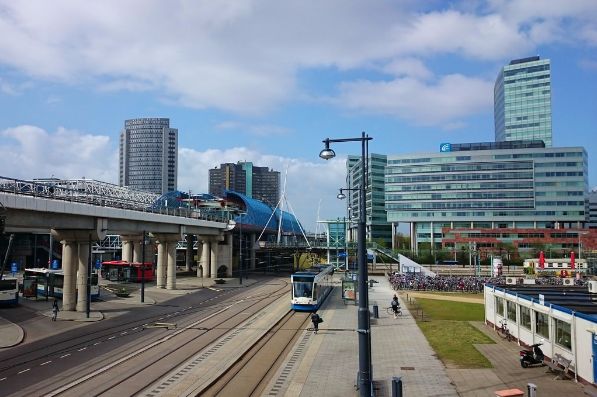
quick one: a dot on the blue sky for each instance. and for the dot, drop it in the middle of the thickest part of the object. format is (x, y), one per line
(266, 81)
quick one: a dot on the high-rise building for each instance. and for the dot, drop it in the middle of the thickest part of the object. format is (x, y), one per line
(149, 155)
(259, 183)
(491, 185)
(522, 101)
(378, 229)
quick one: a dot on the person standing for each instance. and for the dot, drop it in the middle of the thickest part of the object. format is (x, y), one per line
(54, 310)
(315, 319)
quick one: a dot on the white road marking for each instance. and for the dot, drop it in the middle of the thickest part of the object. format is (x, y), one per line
(2, 379)
(133, 354)
(47, 362)
(123, 333)
(81, 349)
(25, 370)
(66, 355)
(112, 337)
(96, 343)
(134, 328)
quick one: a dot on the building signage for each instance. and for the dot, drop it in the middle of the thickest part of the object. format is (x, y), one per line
(445, 147)
(541, 299)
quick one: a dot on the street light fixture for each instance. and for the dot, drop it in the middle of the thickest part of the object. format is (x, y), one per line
(364, 326)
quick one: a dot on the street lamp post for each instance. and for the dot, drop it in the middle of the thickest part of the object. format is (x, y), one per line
(364, 327)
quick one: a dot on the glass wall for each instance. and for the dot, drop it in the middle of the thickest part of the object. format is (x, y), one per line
(525, 317)
(542, 324)
(499, 306)
(511, 310)
(563, 337)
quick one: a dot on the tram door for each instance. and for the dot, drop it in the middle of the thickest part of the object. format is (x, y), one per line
(594, 358)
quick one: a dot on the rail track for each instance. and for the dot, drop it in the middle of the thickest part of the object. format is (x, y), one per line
(250, 374)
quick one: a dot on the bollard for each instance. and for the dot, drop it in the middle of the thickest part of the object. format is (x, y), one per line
(396, 386)
(531, 390)
(375, 311)
(370, 283)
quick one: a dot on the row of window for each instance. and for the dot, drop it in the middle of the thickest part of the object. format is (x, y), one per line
(450, 159)
(535, 321)
(467, 214)
(461, 186)
(462, 167)
(460, 196)
(460, 177)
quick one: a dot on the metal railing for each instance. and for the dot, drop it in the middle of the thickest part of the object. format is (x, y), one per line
(103, 194)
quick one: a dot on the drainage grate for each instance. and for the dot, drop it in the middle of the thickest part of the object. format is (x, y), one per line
(289, 367)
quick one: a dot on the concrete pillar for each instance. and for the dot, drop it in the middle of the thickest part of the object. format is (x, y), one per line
(68, 267)
(213, 259)
(171, 280)
(205, 258)
(138, 250)
(253, 241)
(127, 250)
(160, 271)
(82, 274)
(199, 252)
(229, 243)
(189, 256)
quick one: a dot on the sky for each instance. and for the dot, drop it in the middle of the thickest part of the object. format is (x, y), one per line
(266, 81)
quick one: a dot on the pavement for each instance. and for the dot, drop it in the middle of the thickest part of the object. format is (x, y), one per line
(326, 363)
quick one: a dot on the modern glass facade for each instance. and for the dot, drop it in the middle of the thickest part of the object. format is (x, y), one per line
(149, 155)
(491, 188)
(522, 101)
(378, 227)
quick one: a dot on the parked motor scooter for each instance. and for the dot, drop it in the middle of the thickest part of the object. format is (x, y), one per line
(531, 356)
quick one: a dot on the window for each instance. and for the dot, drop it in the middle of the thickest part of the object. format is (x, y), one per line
(563, 334)
(511, 310)
(499, 306)
(525, 317)
(542, 324)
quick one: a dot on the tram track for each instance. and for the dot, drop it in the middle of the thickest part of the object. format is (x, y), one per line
(253, 369)
(129, 374)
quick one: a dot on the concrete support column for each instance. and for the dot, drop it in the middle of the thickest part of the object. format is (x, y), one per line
(82, 274)
(253, 238)
(160, 271)
(205, 258)
(199, 252)
(229, 244)
(68, 267)
(213, 258)
(138, 250)
(127, 250)
(171, 280)
(393, 236)
(189, 256)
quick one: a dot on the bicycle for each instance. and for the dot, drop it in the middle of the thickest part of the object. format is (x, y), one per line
(503, 331)
(390, 311)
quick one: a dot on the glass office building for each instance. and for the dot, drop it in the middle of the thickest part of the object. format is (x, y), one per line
(522, 101)
(378, 229)
(149, 155)
(487, 185)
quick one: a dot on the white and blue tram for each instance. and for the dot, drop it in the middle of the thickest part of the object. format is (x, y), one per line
(51, 281)
(310, 287)
(9, 291)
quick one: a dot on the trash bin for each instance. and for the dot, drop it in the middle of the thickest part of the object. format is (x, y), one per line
(396, 386)
(531, 390)
(375, 311)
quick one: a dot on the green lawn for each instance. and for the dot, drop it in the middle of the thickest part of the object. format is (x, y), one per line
(449, 333)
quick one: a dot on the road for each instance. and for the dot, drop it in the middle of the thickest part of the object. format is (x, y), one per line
(124, 352)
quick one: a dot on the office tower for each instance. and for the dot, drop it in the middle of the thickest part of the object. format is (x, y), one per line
(378, 229)
(487, 186)
(149, 155)
(259, 183)
(522, 101)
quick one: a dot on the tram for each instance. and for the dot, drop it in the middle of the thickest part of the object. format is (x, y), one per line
(310, 287)
(51, 282)
(134, 272)
(9, 291)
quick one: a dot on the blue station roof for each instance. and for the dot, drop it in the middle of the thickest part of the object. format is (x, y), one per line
(259, 215)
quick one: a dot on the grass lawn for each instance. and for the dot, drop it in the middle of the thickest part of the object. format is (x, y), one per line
(458, 294)
(450, 334)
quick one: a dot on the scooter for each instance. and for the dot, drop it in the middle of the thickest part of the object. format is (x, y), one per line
(531, 356)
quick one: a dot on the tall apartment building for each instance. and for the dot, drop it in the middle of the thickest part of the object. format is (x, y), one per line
(522, 101)
(494, 185)
(259, 183)
(149, 155)
(377, 226)
(593, 208)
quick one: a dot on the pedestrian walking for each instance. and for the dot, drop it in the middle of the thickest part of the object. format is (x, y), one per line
(316, 319)
(395, 306)
(54, 310)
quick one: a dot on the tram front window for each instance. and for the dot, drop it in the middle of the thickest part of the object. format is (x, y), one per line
(302, 290)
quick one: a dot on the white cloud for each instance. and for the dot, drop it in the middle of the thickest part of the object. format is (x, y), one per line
(245, 56)
(260, 130)
(437, 103)
(30, 152)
